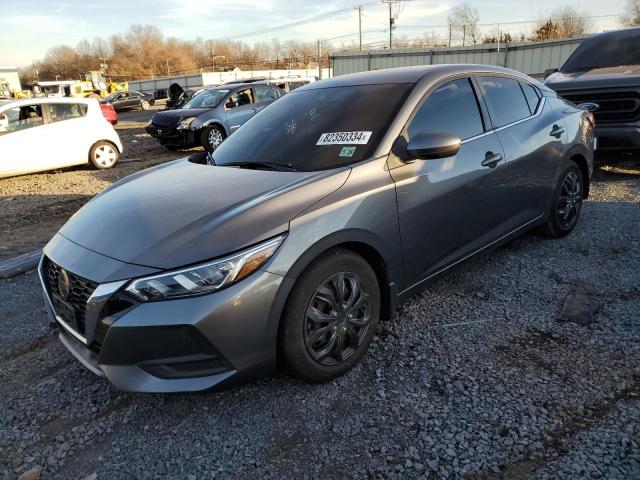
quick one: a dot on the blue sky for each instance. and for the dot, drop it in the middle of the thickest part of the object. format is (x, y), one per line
(29, 27)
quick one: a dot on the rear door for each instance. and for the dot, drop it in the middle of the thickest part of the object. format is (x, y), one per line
(532, 134)
(239, 108)
(68, 142)
(449, 207)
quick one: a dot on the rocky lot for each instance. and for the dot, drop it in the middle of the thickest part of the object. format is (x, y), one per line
(522, 363)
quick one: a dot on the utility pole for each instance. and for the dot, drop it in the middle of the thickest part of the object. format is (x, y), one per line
(319, 59)
(392, 20)
(360, 25)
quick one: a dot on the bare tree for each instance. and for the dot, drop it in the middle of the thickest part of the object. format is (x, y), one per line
(463, 20)
(631, 18)
(565, 22)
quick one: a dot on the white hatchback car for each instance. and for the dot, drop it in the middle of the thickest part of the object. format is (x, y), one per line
(45, 133)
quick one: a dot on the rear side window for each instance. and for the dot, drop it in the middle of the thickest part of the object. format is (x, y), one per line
(507, 102)
(20, 118)
(452, 108)
(264, 93)
(532, 96)
(67, 111)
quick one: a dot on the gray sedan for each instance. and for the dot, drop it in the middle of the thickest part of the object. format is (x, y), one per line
(311, 224)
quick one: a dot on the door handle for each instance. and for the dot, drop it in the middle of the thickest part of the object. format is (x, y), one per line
(557, 131)
(491, 160)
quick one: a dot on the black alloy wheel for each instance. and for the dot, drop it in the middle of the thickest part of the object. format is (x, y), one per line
(330, 317)
(337, 319)
(570, 201)
(567, 202)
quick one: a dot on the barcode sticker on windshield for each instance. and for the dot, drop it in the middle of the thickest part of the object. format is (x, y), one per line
(344, 138)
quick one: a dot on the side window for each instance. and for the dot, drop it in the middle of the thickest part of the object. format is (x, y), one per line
(452, 108)
(241, 97)
(532, 95)
(265, 93)
(20, 118)
(506, 100)
(67, 111)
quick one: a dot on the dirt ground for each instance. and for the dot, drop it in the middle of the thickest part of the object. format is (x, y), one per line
(33, 207)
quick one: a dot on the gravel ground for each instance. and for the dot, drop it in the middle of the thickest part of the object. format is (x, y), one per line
(33, 207)
(479, 377)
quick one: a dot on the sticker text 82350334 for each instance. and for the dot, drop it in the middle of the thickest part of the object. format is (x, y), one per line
(344, 138)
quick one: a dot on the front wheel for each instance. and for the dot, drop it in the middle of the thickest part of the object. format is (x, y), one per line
(104, 155)
(330, 317)
(567, 202)
(211, 138)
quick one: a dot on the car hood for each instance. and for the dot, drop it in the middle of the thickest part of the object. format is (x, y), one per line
(172, 118)
(623, 76)
(182, 213)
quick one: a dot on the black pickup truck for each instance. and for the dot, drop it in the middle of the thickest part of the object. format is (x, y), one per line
(603, 76)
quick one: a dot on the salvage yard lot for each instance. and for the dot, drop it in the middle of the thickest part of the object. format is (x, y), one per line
(478, 377)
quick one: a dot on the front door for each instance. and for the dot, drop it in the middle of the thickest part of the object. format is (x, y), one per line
(22, 140)
(239, 108)
(450, 207)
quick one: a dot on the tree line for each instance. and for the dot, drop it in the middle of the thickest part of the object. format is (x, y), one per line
(144, 52)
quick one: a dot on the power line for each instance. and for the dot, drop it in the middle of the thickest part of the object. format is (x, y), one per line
(297, 23)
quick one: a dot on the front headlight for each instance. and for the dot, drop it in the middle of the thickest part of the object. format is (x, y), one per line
(186, 123)
(204, 278)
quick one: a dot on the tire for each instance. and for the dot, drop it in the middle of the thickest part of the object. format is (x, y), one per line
(104, 155)
(211, 138)
(171, 148)
(567, 202)
(145, 105)
(313, 328)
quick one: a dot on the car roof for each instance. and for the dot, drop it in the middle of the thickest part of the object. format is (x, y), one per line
(623, 32)
(44, 100)
(408, 75)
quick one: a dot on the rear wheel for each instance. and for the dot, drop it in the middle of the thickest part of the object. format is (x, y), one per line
(145, 105)
(567, 202)
(211, 138)
(330, 317)
(104, 155)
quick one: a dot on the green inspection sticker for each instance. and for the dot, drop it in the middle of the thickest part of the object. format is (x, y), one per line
(347, 151)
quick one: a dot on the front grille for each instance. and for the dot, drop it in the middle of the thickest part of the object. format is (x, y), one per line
(615, 106)
(72, 309)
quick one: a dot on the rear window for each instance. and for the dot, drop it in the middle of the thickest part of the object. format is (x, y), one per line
(507, 102)
(316, 129)
(532, 96)
(605, 51)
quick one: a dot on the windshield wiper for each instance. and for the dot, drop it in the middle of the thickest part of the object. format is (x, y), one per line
(269, 165)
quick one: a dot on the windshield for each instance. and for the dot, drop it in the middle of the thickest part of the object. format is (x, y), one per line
(605, 51)
(111, 96)
(316, 129)
(206, 99)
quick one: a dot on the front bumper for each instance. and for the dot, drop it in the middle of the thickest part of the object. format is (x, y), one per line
(192, 344)
(611, 138)
(171, 136)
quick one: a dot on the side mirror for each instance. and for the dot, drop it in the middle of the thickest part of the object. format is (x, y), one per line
(550, 71)
(231, 104)
(433, 145)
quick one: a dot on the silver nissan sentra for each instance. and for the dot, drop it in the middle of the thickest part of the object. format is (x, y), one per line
(312, 223)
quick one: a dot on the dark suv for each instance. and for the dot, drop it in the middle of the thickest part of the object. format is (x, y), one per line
(211, 115)
(603, 76)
